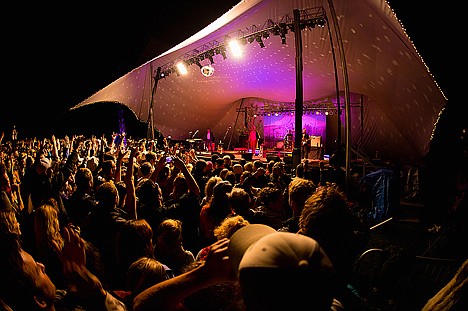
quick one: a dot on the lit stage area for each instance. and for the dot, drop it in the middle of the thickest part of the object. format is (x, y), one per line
(276, 140)
(275, 123)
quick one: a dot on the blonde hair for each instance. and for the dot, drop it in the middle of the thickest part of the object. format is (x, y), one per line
(170, 230)
(212, 181)
(229, 225)
(47, 227)
(144, 273)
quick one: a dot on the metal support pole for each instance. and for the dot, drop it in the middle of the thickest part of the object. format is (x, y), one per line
(299, 105)
(346, 88)
(150, 132)
(337, 88)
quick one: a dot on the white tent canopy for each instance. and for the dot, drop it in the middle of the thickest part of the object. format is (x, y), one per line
(400, 101)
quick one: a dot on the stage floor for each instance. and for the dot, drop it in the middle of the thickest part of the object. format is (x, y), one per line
(266, 156)
(238, 154)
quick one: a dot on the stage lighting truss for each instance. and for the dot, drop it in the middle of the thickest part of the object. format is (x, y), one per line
(325, 106)
(309, 19)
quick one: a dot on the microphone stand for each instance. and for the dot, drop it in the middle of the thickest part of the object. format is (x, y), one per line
(224, 138)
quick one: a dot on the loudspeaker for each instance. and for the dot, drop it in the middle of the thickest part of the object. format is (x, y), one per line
(273, 157)
(315, 153)
(316, 141)
(288, 159)
(247, 156)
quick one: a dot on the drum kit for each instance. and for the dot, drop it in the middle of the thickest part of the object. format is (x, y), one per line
(288, 142)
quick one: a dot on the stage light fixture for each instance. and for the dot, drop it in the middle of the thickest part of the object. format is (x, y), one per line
(276, 31)
(198, 64)
(283, 39)
(235, 48)
(283, 32)
(223, 52)
(210, 57)
(209, 54)
(181, 69)
(260, 41)
(320, 22)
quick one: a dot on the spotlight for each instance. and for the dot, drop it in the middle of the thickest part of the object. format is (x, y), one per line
(210, 57)
(260, 41)
(320, 22)
(209, 54)
(251, 39)
(235, 48)
(223, 52)
(181, 69)
(276, 31)
(283, 39)
(283, 32)
(242, 41)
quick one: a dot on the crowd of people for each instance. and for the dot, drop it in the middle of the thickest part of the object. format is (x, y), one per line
(89, 223)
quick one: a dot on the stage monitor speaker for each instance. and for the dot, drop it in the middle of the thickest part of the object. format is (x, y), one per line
(247, 156)
(315, 153)
(273, 157)
(288, 159)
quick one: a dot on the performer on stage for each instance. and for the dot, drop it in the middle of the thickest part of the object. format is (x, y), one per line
(288, 141)
(305, 146)
(253, 139)
(209, 140)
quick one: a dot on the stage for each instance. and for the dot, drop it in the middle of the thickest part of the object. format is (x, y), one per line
(266, 156)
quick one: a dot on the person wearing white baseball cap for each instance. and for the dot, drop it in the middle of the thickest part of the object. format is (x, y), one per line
(282, 270)
(275, 271)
